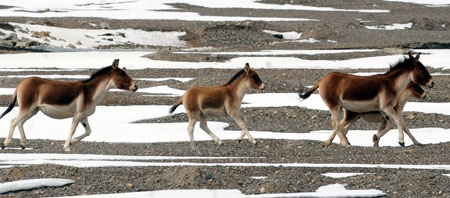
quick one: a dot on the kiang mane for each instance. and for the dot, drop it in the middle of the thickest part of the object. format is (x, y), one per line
(98, 73)
(401, 64)
(235, 77)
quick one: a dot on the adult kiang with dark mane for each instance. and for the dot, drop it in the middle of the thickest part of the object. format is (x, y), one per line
(59, 100)
(362, 94)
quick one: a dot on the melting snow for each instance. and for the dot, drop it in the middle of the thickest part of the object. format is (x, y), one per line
(33, 183)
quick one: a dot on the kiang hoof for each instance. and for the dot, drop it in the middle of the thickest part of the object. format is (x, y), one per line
(23, 147)
(239, 140)
(374, 138)
(402, 144)
(326, 144)
(3, 146)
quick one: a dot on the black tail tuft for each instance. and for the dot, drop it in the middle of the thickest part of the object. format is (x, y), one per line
(303, 95)
(11, 106)
(172, 109)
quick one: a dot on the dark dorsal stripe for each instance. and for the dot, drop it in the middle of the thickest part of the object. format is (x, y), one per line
(235, 77)
(401, 64)
(98, 73)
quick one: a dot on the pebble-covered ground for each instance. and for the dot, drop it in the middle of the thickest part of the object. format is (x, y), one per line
(343, 27)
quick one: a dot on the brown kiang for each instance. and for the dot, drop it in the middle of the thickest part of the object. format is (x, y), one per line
(386, 124)
(59, 99)
(361, 94)
(225, 100)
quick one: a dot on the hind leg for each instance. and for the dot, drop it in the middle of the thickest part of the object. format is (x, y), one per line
(335, 114)
(86, 126)
(204, 126)
(190, 129)
(23, 138)
(384, 127)
(15, 121)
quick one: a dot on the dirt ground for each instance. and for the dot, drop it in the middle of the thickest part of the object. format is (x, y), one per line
(347, 28)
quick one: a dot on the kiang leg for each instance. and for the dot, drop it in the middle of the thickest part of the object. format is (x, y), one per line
(23, 138)
(399, 121)
(85, 123)
(384, 127)
(405, 128)
(76, 119)
(192, 120)
(204, 126)
(23, 114)
(337, 128)
(240, 121)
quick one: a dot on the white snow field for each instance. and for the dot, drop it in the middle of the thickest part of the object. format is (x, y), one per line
(109, 122)
(155, 9)
(135, 60)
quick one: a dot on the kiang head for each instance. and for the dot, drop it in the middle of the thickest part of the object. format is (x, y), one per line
(252, 79)
(121, 79)
(416, 90)
(421, 75)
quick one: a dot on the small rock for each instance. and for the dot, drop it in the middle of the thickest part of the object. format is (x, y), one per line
(31, 22)
(46, 39)
(32, 43)
(71, 46)
(44, 34)
(411, 116)
(78, 43)
(53, 38)
(46, 9)
(35, 34)
(105, 25)
(208, 175)
(12, 37)
(262, 190)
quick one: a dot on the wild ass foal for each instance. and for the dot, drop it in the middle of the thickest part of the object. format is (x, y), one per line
(58, 99)
(386, 124)
(224, 100)
(362, 94)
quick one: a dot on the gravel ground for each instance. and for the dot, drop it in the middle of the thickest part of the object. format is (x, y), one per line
(427, 31)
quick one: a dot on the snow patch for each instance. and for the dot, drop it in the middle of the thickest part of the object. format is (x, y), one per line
(32, 184)
(341, 175)
(90, 39)
(395, 26)
(284, 35)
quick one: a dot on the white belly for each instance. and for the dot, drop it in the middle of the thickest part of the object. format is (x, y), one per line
(214, 112)
(58, 111)
(361, 106)
(374, 116)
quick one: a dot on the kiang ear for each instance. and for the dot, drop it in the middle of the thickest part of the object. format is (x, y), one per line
(410, 55)
(247, 68)
(417, 56)
(115, 64)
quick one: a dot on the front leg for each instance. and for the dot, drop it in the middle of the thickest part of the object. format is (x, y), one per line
(75, 121)
(396, 116)
(86, 126)
(236, 115)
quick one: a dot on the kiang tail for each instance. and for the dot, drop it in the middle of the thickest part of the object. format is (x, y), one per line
(11, 106)
(308, 93)
(179, 102)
